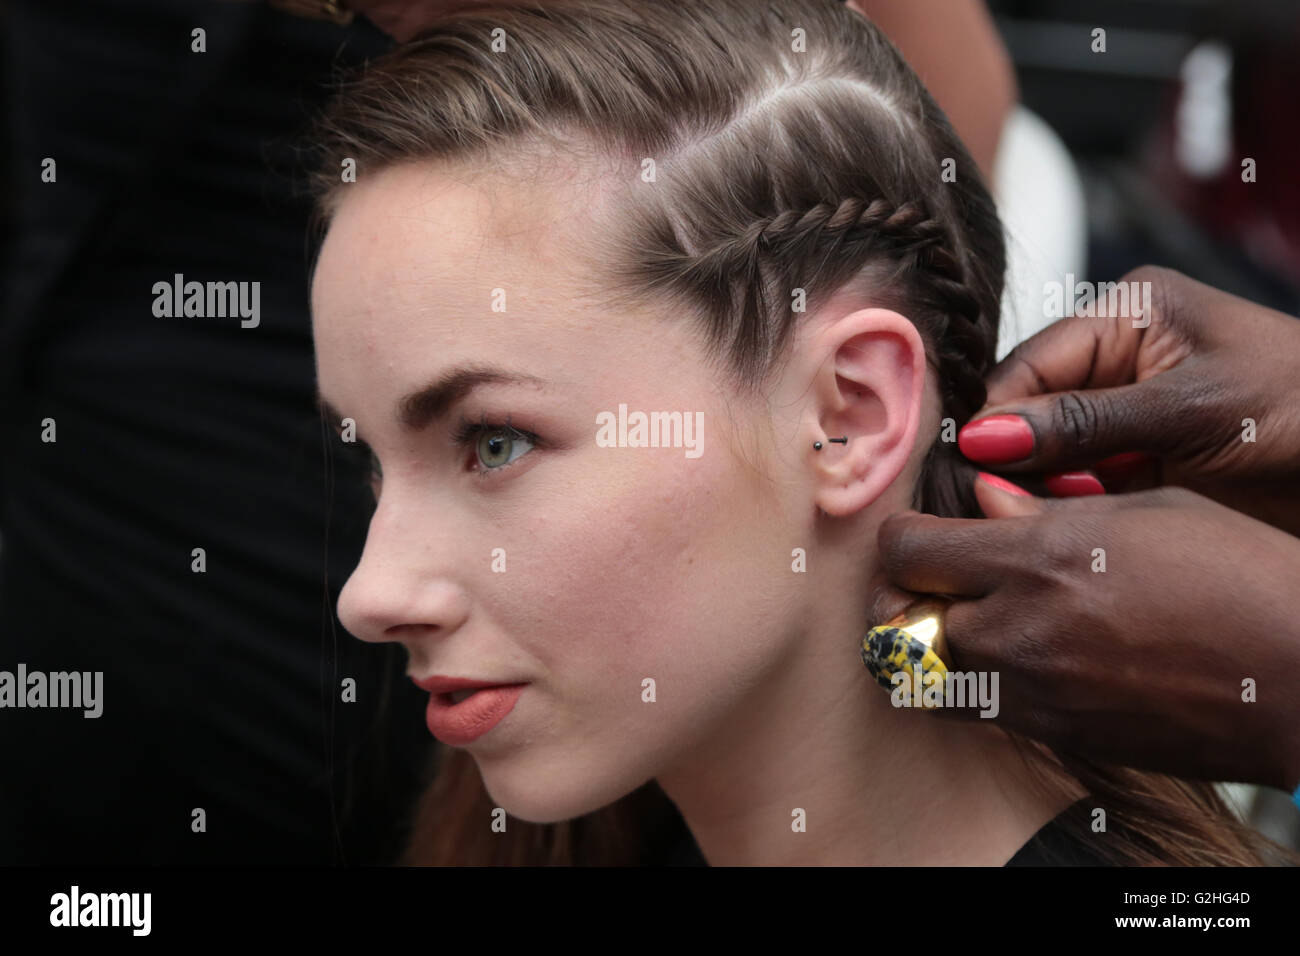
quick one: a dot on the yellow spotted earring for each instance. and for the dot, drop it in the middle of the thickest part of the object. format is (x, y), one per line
(913, 642)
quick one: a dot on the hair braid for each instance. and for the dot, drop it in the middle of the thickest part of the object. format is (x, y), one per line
(931, 281)
(905, 232)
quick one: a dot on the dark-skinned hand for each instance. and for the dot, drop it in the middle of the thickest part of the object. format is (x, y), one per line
(1179, 390)
(1141, 664)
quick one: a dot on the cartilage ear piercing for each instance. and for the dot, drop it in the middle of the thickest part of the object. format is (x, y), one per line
(817, 446)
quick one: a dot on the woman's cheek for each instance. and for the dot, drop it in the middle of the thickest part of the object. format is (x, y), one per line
(616, 573)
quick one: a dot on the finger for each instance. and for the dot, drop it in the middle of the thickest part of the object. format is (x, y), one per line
(1067, 430)
(889, 602)
(999, 498)
(1074, 484)
(973, 639)
(952, 556)
(1072, 353)
(1118, 471)
(974, 647)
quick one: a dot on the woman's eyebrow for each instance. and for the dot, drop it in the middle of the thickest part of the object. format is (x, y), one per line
(426, 405)
(420, 408)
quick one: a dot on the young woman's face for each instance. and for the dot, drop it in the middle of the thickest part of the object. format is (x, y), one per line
(643, 594)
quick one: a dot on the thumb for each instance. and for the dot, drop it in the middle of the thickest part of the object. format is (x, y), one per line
(1066, 430)
(1000, 498)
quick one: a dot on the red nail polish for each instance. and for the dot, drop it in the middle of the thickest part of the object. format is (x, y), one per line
(1003, 485)
(997, 440)
(1121, 466)
(1074, 484)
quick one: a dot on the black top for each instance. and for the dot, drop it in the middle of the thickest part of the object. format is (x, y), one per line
(1054, 845)
(1058, 843)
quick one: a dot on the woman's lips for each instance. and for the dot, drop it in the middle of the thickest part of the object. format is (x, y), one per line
(460, 724)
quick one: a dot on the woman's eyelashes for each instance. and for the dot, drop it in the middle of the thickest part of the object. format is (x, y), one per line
(495, 445)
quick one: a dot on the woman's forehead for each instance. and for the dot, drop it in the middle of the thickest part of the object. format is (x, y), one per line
(426, 223)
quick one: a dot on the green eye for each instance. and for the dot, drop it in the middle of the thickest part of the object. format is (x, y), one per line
(498, 447)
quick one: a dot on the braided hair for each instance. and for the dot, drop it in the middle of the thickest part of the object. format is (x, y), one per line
(909, 255)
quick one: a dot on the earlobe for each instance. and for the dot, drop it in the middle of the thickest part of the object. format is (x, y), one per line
(870, 392)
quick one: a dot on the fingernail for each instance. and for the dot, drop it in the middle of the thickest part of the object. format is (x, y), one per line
(1003, 485)
(997, 440)
(1074, 484)
(1119, 467)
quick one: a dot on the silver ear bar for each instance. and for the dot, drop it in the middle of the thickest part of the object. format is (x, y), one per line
(817, 446)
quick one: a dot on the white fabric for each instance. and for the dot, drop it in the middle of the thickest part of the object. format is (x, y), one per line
(1040, 199)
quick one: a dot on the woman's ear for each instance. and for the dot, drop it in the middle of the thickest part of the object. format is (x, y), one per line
(871, 391)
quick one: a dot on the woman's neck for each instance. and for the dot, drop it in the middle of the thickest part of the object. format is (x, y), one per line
(822, 769)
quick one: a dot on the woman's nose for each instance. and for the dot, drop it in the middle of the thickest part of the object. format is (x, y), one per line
(407, 584)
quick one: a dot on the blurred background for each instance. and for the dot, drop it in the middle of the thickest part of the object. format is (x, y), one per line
(1157, 126)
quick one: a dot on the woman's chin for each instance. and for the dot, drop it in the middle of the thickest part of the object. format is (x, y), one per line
(548, 795)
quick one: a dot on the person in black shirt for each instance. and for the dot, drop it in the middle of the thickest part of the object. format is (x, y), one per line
(223, 670)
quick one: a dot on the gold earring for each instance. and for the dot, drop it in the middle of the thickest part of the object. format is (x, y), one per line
(913, 642)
